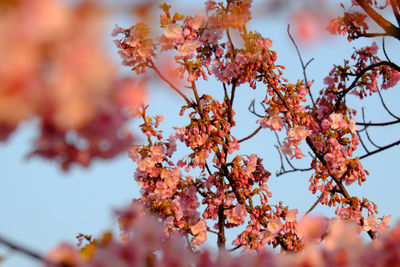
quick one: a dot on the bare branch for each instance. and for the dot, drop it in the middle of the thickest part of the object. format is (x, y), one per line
(251, 135)
(386, 25)
(386, 108)
(162, 77)
(304, 66)
(362, 142)
(395, 9)
(314, 205)
(380, 149)
(377, 123)
(362, 72)
(25, 251)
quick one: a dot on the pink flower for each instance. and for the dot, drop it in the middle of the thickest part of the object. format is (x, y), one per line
(274, 123)
(371, 223)
(343, 235)
(384, 225)
(198, 21)
(392, 81)
(337, 121)
(199, 231)
(236, 215)
(286, 149)
(352, 125)
(329, 81)
(311, 229)
(274, 226)
(291, 215)
(173, 32)
(65, 254)
(298, 154)
(372, 49)
(298, 133)
(325, 124)
(117, 30)
(188, 48)
(199, 227)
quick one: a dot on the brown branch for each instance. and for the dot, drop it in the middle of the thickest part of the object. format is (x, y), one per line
(26, 251)
(221, 227)
(372, 34)
(377, 123)
(234, 248)
(381, 21)
(385, 107)
(361, 73)
(395, 9)
(251, 135)
(380, 149)
(303, 66)
(196, 95)
(162, 77)
(315, 204)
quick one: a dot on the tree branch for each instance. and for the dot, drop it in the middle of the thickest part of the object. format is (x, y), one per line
(251, 135)
(386, 25)
(380, 149)
(25, 251)
(162, 77)
(303, 66)
(362, 72)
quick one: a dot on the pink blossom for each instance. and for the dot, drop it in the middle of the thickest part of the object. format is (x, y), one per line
(274, 226)
(371, 223)
(173, 31)
(188, 48)
(337, 121)
(330, 81)
(298, 154)
(211, 36)
(236, 215)
(291, 215)
(298, 133)
(383, 226)
(372, 49)
(198, 21)
(311, 229)
(344, 235)
(392, 81)
(199, 231)
(325, 124)
(274, 123)
(65, 254)
(286, 149)
(352, 126)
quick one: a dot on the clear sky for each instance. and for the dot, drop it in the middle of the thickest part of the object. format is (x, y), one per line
(41, 206)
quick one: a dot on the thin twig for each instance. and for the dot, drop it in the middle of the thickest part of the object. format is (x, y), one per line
(385, 107)
(304, 66)
(366, 131)
(362, 72)
(384, 49)
(362, 142)
(25, 251)
(251, 135)
(377, 123)
(162, 77)
(314, 205)
(380, 149)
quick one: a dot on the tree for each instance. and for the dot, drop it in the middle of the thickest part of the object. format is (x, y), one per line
(214, 187)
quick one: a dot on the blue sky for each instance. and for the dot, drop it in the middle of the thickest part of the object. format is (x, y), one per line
(41, 206)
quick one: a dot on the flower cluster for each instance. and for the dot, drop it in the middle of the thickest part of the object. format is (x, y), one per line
(49, 50)
(231, 189)
(147, 245)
